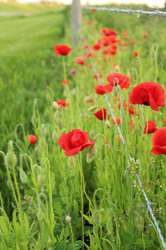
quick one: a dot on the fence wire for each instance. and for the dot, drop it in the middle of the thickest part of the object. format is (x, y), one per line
(129, 11)
(149, 203)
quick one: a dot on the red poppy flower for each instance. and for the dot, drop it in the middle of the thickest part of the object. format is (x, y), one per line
(89, 54)
(32, 139)
(90, 22)
(118, 121)
(101, 114)
(74, 142)
(150, 127)
(118, 79)
(135, 53)
(159, 142)
(62, 103)
(80, 60)
(98, 75)
(132, 41)
(96, 46)
(93, 10)
(131, 125)
(148, 93)
(125, 34)
(103, 89)
(145, 35)
(108, 32)
(65, 81)
(164, 121)
(86, 47)
(62, 50)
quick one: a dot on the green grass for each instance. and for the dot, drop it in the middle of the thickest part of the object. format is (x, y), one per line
(103, 197)
(26, 61)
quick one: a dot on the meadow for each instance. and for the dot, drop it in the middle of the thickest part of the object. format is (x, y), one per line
(87, 197)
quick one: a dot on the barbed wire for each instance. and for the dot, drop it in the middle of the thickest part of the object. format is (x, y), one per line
(149, 203)
(129, 11)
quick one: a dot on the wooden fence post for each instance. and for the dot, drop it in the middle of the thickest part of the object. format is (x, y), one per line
(76, 18)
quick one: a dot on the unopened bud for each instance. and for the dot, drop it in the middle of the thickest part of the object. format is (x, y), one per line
(10, 158)
(55, 136)
(40, 215)
(91, 153)
(71, 162)
(139, 221)
(41, 179)
(92, 108)
(96, 217)
(23, 176)
(55, 105)
(68, 219)
(108, 125)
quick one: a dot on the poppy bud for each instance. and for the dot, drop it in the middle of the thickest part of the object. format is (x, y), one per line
(41, 179)
(139, 221)
(10, 158)
(43, 130)
(42, 142)
(92, 108)
(55, 136)
(71, 162)
(96, 217)
(74, 92)
(23, 176)
(108, 125)
(91, 153)
(40, 215)
(55, 105)
(34, 120)
(68, 219)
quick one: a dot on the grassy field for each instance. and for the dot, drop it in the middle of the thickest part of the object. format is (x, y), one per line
(26, 61)
(92, 200)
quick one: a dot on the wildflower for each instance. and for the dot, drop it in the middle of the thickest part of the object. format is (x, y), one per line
(32, 139)
(62, 50)
(135, 53)
(164, 121)
(80, 60)
(150, 127)
(149, 94)
(117, 121)
(103, 89)
(73, 71)
(132, 41)
(98, 75)
(145, 35)
(96, 46)
(65, 81)
(118, 79)
(90, 23)
(159, 142)
(74, 142)
(62, 103)
(101, 114)
(93, 10)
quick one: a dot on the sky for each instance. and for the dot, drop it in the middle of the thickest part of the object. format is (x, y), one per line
(151, 3)
(157, 3)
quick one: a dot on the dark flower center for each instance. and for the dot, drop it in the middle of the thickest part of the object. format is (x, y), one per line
(146, 103)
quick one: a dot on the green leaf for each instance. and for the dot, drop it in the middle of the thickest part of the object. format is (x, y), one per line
(144, 243)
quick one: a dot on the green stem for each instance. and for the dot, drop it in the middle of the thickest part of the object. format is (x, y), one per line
(72, 235)
(64, 67)
(81, 193)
